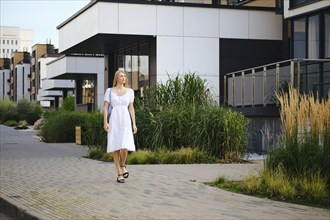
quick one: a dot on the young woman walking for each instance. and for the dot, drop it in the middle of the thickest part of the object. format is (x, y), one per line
(121, 125)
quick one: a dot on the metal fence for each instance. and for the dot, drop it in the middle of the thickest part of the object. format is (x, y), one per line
(258, 86)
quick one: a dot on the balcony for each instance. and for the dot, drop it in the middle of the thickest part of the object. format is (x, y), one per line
(29, 75)
(258, 86)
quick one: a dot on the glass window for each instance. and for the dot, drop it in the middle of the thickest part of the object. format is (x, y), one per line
(135, 68)
(327, 35)
(299, 38)
(144, 67)
(295, 3)
(3, 41)
(12, 42)
(313, 37)
(7, 41)
(3, 51)
(16, 42)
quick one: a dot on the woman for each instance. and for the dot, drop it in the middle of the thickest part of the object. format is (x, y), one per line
(122, 125)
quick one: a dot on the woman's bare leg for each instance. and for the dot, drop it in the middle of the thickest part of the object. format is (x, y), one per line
(116, 160)
(123, 157)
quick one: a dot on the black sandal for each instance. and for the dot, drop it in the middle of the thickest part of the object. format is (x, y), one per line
(120, 180)
(125, 174)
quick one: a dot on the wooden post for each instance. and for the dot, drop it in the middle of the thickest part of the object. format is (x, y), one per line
(78, 135)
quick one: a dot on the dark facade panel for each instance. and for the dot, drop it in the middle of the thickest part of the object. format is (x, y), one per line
(239, 54)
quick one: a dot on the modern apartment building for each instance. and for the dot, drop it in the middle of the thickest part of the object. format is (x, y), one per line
(38, 51)
(15, 39)
(154, 39)
(19, 76)
(82, 73)
(52, 92)
(306, 49)
(4, 78)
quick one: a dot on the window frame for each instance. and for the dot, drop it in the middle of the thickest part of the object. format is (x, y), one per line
(293, 4)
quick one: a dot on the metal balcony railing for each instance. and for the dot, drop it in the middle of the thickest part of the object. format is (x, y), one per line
(258, 86)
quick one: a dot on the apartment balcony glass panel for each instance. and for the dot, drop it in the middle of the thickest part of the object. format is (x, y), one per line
(258, 86)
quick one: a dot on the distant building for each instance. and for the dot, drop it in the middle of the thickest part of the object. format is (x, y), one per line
(15, 39)
(52, 92)
(19, 85)
(4, 78)
(38, 51)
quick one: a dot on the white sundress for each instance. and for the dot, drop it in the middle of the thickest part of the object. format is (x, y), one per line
(120, 134)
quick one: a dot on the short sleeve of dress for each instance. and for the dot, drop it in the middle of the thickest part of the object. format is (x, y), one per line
(106, 95)
(131, 95)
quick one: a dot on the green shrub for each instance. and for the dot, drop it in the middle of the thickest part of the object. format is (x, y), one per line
(179, 91)
(10, 115)
(314, 187)
(61, 127)
(11, 123)
(68, 104)
(252, 184)
(140, 157)
(95, 154)
(107, 156)
(7, 111)
(182, 113)
(304, 146)
(28, 110)
(215, 130)
(93, 134)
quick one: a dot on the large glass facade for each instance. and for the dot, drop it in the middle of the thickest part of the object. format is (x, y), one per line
(299, 38)
(327, 35)
(311, 40)
(314, 37)
(135, 62)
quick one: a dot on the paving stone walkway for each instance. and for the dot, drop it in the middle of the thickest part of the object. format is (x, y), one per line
(55, 181)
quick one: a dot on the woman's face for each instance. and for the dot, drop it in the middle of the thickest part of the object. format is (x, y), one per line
(121, 78)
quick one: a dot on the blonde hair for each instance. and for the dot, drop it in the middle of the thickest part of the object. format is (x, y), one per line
(115, 78)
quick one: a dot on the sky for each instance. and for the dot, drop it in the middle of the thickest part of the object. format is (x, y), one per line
(41, 16)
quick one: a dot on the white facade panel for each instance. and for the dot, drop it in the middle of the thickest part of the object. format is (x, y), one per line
(43, 67)
(265, 25)
(80, 65)
(201, 55)
(137, 19)
(201, 22)
(56, 68)
(4, 84)
(23, 82)
(234, 23)
(108, 17)
(26, 40)
(304, 9)
(58, 83)
(79, 29)
(170, 21)
(169, 57)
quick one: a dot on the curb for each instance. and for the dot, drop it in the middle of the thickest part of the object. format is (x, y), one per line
(9, 208)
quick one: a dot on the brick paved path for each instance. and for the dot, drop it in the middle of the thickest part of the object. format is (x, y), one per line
(54, 181)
